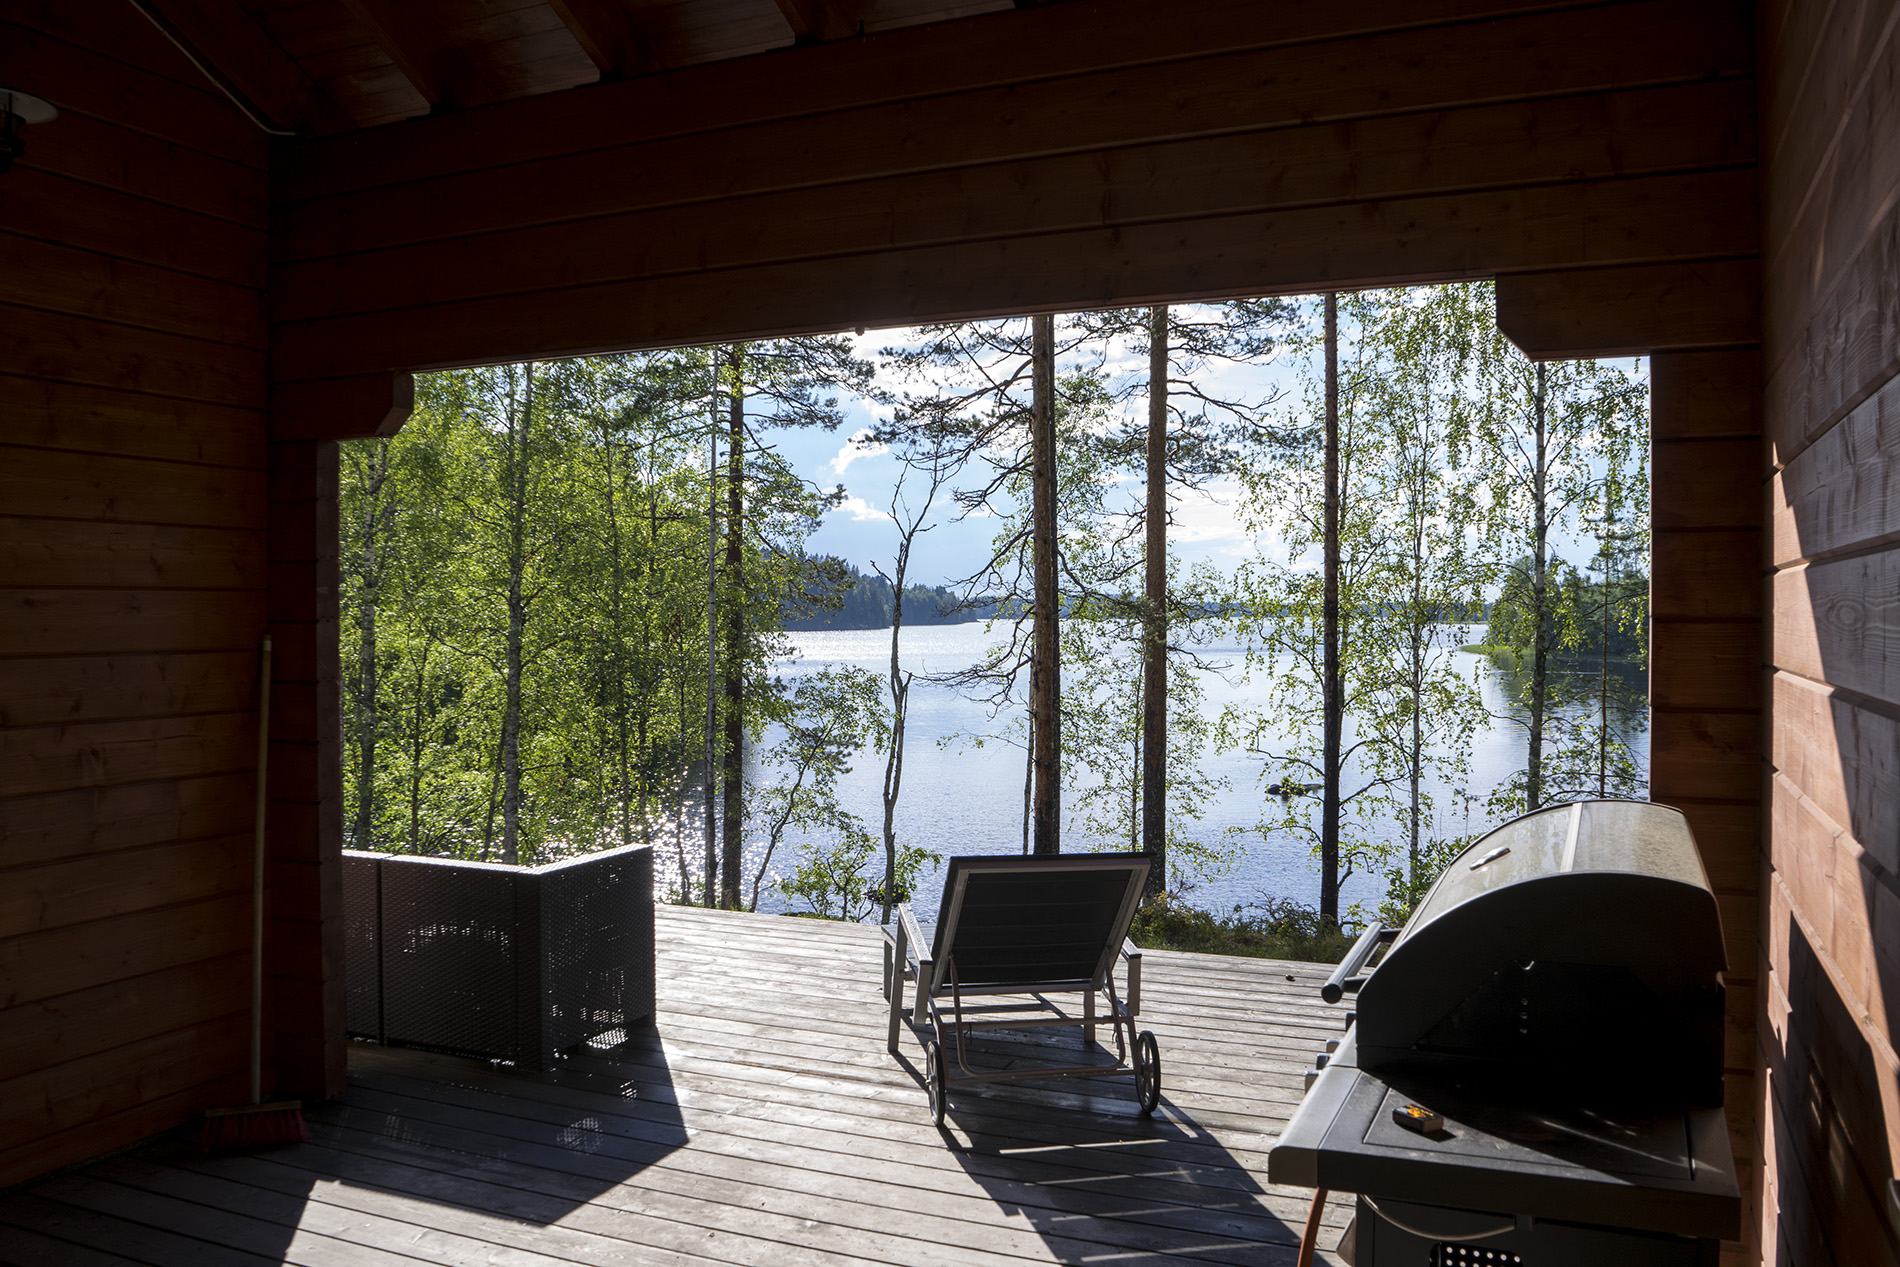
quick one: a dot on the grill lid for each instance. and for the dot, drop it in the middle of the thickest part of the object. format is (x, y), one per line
(1578, 947)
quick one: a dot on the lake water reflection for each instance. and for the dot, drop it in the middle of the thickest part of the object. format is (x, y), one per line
(961, 798)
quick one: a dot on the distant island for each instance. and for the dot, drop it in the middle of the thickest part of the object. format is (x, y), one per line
(870, 600)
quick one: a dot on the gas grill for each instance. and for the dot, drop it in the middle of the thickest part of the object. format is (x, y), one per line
(1532, 1072)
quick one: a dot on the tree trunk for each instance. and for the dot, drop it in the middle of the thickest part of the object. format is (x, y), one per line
(711, 896)
(617, 649)
(900, 708)
(734, 754)
(1335, 697)
(1046, 682)
(367, 686)
(1603, 691)
(415, 753)
(1154, 650)
(521, 424)
(1540, 602)
(1416, 762)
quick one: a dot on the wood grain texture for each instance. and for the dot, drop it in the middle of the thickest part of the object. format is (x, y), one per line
(1835, 623)
(1838, 173)
(801, 1142)
(1831, 102)
(1847, 349)
(68, 689)
(1706, 665)
(44, 414)
(129, 96)
(132, 572)
(1844, 756)
(63, 279)
(1035, 46)
(1706, 395)
(1702, 756)
(1843, 491)
(1703, 484)
(46, 827)
(55, 208)
(1258, 96)
(88, 352)
(106, 488)
(1609, 312)
(1714, 574)
(1422, 239)
(670, 214)
(1831, 1139)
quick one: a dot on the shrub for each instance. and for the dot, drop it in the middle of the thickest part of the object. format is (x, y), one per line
(1278, 929)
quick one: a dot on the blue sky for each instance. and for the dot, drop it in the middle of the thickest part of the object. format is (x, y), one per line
(861, 530)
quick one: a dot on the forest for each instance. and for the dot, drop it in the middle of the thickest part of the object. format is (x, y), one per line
(565, 587)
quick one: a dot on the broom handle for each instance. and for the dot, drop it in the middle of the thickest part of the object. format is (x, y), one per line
(257, 879)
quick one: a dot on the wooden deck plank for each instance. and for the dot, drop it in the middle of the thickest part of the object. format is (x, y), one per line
(761, 1121)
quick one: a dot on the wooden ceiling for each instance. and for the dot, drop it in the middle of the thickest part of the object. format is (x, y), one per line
(325, 66)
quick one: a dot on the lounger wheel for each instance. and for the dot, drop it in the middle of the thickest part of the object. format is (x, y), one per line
(1147, 1071)
(935, 1081)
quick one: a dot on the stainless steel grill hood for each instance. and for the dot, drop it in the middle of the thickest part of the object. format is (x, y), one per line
(1578, 947)
(1534, 1067)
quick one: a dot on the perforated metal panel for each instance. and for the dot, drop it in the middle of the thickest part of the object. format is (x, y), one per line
(596, 946)
(449, 956)
(362, 937)
(501, 962)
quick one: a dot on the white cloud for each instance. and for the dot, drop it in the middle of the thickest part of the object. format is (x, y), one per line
(858, 446)
(859, 509)
(1207, 517)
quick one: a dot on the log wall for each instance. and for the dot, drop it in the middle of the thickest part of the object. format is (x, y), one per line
(1830, 975)
(132, 586)
(1075, 156)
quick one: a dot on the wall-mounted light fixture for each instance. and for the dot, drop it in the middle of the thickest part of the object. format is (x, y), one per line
(17, 109)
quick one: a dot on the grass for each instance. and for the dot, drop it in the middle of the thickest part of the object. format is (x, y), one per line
(1277, 930)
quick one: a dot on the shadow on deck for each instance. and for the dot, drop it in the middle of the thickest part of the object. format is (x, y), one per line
(761, 1122)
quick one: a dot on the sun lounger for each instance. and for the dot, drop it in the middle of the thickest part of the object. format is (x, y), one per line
(1021, 929)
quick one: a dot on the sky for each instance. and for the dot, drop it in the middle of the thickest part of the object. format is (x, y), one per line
(861, 531)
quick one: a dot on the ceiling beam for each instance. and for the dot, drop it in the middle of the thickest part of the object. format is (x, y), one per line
(819, 21)
(1632, 311)
(419, 48)
(609, 37)
(236, 54)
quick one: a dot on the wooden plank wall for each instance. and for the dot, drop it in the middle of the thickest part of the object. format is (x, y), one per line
(1831, 888)
(1705, 681)
(1078, 155)
(132, 579)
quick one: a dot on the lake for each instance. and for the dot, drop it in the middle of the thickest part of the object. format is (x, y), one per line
(958, 797)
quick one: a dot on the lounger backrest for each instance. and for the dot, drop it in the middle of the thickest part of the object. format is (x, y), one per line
(1037, 921)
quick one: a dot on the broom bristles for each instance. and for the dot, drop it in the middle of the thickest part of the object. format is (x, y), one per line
(254, 1125)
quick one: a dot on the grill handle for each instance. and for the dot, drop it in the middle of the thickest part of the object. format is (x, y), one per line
(1350, 974)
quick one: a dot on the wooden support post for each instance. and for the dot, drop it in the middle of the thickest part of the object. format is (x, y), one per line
(1707, 568)
(304, 818)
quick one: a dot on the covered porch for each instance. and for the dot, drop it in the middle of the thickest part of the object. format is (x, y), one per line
(761, 1121)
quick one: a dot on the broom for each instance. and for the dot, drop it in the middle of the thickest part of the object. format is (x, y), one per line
(257, 1123)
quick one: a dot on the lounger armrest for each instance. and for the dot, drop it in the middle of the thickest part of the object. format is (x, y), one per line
(915, 949)
(910, 935)
(1132, 953)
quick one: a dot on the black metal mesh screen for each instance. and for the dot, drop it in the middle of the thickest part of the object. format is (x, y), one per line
(494, 961)
(448, 955)
(596, 945)
(362, 973)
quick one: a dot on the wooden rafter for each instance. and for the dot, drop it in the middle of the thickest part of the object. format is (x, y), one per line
(817, 21)
(609, 37)
(230, 47)
(419, 48)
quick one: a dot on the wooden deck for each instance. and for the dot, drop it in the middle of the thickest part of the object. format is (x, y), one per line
(763, 1122)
